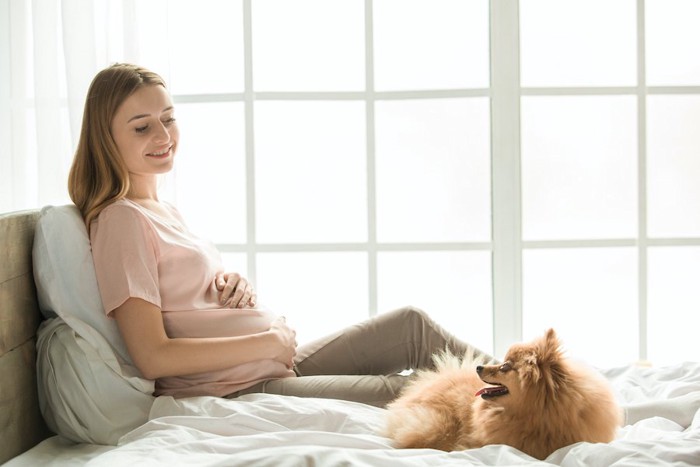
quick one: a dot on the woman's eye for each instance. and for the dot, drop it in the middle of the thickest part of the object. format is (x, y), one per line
(169, 121)
(141, 129)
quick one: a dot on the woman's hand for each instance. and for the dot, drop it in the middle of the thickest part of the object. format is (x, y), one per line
(236, 291)
(286, 337)
(157, 355)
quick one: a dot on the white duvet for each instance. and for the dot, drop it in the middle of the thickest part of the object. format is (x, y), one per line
(662, 407)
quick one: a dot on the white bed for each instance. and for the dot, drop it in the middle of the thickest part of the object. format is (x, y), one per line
(71, 377)
(662, 408)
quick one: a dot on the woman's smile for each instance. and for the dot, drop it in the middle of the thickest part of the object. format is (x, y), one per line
(162, 154)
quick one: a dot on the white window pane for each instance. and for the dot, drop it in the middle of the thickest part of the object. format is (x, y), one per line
(589, 296)
(210, 170)
(673, 305)
(579, 167)
(453, 287)
(194, 50)
(308, 45)
(151, 43)
(237, 262)
(673, 166)
(672, 35)
(431, 44)
(319, 293)
(578, 42)
(311, 172)
(206, 44)
(433, 170)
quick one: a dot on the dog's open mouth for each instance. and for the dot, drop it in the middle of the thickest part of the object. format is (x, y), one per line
(489, 392)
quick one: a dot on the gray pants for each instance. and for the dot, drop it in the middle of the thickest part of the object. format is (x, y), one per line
(361, 363)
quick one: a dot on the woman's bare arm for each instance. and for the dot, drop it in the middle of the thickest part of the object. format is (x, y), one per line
(156, 355)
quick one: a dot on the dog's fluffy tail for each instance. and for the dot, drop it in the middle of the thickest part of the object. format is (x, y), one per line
(473, 357)
(422, 417)
(416, 427)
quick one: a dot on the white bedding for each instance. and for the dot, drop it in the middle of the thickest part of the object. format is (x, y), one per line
(662, 407)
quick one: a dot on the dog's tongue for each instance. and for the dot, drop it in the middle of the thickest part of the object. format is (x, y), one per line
(489, 390)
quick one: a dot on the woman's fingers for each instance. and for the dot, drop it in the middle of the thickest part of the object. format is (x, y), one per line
(245, 295)
(228, 293)
(287, 337)
(220, 281)
(236, 292)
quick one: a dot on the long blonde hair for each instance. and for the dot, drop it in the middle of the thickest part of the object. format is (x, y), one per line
(98, 175)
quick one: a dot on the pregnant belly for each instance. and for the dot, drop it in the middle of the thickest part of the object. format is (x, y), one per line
(217, 323)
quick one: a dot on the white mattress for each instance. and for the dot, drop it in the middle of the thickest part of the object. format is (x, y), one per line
(662, 427)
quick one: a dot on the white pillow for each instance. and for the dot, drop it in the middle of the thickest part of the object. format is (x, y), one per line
(85, 394)
(65, 274)
(89, 390)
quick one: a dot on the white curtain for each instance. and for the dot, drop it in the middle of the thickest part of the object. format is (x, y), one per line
(49, 52)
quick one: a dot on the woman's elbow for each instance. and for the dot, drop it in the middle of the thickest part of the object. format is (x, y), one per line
(152, 364)
(148, 373)
(148, 370)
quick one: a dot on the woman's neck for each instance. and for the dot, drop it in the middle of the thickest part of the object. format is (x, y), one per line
(141, 189)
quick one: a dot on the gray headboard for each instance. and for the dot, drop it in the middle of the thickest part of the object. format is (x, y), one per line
(21, 424)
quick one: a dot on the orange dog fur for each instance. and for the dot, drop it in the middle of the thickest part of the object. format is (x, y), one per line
(536, 401)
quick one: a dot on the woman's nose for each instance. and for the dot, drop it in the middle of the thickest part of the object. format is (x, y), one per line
(161, 134)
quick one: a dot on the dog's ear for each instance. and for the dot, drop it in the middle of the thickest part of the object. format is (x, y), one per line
(550, 358)
(550, 334)
(544, 360)
(549, 348)
(530, 371)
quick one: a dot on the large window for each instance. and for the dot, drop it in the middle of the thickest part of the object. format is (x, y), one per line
(610, 172)
(347, 157)
(506, 166)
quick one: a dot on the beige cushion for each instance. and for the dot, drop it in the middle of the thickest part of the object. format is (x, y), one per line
(21, 425)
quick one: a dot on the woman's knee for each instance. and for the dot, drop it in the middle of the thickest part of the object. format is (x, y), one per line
(409, 310)
(412, 313)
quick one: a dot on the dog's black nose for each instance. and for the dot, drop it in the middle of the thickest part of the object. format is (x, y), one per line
(479, 369)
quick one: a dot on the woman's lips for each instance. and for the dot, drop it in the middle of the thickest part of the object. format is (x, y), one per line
(161, 154)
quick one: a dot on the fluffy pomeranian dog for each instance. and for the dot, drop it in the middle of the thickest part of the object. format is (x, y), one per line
(536, 401)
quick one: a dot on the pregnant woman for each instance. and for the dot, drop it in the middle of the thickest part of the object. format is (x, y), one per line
(188, 324)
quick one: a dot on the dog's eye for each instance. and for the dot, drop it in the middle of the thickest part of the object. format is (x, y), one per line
(506, 367)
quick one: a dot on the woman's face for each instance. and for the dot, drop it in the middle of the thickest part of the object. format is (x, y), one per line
(145, 131)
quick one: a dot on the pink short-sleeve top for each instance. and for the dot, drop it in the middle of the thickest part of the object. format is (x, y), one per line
(140, 254)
